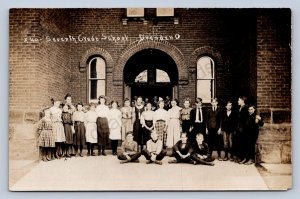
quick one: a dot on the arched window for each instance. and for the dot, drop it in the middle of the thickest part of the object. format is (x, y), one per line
(97, 77)
(205, 79)
(161, 77)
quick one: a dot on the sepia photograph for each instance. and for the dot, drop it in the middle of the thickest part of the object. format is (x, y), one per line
(150, 99)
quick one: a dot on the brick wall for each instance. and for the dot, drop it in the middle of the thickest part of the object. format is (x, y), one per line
(274, 58)
(39, 70)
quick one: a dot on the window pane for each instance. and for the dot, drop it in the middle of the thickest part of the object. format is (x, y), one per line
(204, 90)
(142, 77)
(93, 89)
(101, 87)
(93, 73)
(100, 65)
(204, 68)
(162, 76)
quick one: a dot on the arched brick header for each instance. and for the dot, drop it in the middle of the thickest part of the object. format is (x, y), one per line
(202, 51)
(164, 46)
(96, 51)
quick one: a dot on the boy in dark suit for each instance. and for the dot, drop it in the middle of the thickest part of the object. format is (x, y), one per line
(213, 120)
(197, 120)
(228, 126)
(201, 154)
(182, 150)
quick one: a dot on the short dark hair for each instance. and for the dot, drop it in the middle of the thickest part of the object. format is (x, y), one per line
(67, 95)
(198, 99)
(128, 133)
(244, 98)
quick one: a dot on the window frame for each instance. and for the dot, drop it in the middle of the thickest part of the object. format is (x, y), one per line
(212, 80)
(89, 79)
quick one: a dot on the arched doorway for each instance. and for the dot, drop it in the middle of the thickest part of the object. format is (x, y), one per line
(150, 72)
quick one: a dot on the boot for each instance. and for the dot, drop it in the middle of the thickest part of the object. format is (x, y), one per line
(103, 151)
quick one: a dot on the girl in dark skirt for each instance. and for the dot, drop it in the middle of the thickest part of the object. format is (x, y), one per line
(102, 125)
(137, 127)
(79, 137)
(67, 122)
(147, 124)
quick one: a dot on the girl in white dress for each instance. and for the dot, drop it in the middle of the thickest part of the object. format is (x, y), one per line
(115, 124)
(173, 131)
(91, 129)
(57, 128)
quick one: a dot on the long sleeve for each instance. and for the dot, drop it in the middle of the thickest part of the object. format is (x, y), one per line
(176, 146)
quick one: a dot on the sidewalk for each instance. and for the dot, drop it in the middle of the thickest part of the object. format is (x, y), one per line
(277, 176)
(106, 173)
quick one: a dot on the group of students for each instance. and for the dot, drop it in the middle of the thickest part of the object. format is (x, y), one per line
(186, 130)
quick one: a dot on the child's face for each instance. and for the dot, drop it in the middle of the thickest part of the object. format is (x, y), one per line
(240, 102)
(149, 107)
(228, 106)
(69, 100)
(214, 103)
(65, 108)
(79, 107)
(161, 104)
(183, 138)
(114, 105)
(92, 108)
(199, 139)
(127, 103)
(251, 110)
(173, 103)
(129, 137)
(139, 101)
(186, 104)
(102, 100)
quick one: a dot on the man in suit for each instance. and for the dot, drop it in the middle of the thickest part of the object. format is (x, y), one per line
(182, 150)
(197, 119)
(213, 120)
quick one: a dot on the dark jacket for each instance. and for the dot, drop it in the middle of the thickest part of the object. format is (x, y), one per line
(213, 118)
(228, 123)
(204, 150)
(187, 149)
(193, 116)
(242, 118)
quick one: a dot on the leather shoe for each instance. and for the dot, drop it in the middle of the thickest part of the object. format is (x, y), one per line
(243, 161)
(249, 162)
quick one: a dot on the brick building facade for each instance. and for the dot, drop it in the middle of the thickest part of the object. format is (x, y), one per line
(51, 52)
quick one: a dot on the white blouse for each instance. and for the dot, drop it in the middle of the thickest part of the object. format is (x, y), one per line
(102, 110)
(79, 116)
(161, 114)
(91, 116)
(174, 112)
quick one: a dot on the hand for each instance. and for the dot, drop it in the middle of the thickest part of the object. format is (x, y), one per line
(204, 156)
(128, 157)
(206, 131)
(165, 129)
(153, 157)
(191, 128)
(219, 131)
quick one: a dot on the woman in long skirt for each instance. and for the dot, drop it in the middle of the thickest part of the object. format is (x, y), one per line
(173, 131)
(102, 125)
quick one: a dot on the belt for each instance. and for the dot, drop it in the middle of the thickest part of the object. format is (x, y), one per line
(78, 122)
(160, 120)
(126, 118)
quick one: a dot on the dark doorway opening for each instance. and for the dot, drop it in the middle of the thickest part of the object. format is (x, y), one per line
(150, 72)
